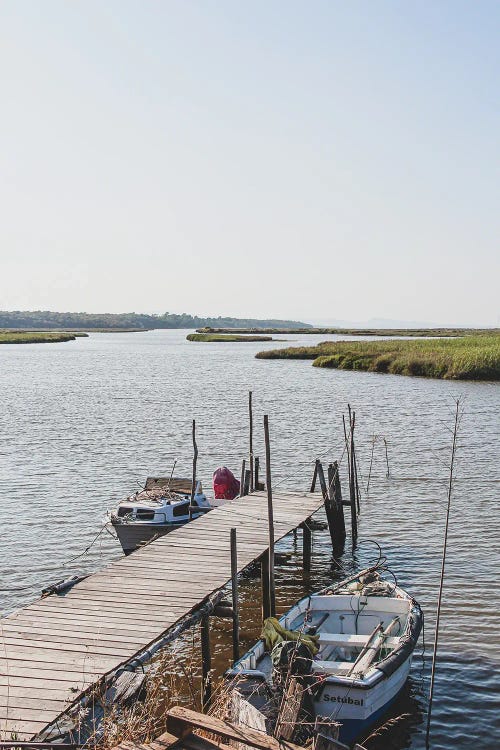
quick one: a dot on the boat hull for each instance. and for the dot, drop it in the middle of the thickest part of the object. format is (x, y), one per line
(134, 535)
(356, 708)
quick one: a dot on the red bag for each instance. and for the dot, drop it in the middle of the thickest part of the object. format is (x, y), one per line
(225, 484)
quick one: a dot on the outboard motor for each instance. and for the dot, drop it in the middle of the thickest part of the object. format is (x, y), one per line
(226, 486)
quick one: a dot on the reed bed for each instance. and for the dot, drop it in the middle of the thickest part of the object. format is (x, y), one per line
(465, 358)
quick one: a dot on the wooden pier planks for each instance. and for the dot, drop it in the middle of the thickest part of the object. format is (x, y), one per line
(56, 648)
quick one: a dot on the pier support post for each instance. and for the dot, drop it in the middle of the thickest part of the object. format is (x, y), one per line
(234, 586)
(242, 478)
(315, 475)
(256, 473)
(195, 460)
(264, 572)
(270, 517)
(352, 478)
(337, 533)
(248, 480)
(250, 417)
(206, 663)
(306, 548)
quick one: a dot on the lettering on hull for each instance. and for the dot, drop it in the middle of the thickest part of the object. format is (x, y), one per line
(342, 699)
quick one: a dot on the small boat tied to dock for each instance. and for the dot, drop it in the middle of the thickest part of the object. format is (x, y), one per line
(164, 504)
(349, 647)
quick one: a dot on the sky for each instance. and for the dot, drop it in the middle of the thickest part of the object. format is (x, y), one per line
(308, 160)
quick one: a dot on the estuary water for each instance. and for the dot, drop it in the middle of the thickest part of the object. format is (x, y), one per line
(83, 423)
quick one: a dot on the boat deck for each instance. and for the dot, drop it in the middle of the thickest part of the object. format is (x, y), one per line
(54, 650)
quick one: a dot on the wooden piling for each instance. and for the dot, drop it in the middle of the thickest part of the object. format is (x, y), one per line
(256, 467)
(388, 473)
(247, 481)
(250, 417)
(306, 548)
(352, 485)
(264, 573)
(322, 481)
(242, 478)
(195, 460)
(234, 585)
(330, 510)
(315, 476)
(270, 517)
(206, 663)
(336, 514)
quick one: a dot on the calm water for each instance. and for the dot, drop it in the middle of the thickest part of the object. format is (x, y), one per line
(83, 424)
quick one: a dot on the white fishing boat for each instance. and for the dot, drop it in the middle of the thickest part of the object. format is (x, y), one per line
(363, 633)
(161, 506)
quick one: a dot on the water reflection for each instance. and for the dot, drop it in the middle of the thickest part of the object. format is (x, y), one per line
(83, 423)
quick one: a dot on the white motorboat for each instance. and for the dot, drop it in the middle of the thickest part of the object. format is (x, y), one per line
(161, 506)
(364, 633)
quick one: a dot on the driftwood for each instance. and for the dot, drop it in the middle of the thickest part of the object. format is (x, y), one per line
(289, 710)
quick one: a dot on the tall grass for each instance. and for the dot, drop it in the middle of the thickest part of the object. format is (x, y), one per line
(466, 358)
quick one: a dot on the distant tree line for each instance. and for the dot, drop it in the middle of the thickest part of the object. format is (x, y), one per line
(47, 320)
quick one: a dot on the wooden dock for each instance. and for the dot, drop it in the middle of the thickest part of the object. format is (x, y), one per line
(56, 649)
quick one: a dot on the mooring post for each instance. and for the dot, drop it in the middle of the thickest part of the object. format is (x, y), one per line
(206, 663)
(388, 473)
(256, 463)
(234, 585)
(322, 481)
(306, 547)
(335, 511)
(242, 478)
(330, 510)
(248, 479)
(195, 459)
(264, 574)
(352, 486)
(250, 416)
(337, 501)
(315, 474)
(270, 517)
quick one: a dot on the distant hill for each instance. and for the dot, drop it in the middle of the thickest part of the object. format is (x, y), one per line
(47, 320)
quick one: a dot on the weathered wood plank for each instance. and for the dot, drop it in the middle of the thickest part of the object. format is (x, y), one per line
(59, 646)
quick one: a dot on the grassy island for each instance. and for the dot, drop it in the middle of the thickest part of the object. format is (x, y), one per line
(466, 358)
(216, 337)
(397, 332)
(37, 337)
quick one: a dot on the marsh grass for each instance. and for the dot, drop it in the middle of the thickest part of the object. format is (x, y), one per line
(465, 358)
(218, 337)
(37, 337)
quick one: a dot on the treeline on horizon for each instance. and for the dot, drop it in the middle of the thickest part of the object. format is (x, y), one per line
(47, 320)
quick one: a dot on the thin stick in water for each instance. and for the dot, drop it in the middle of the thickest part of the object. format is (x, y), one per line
(443, 563)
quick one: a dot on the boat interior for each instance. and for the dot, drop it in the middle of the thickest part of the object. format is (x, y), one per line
(355, 632)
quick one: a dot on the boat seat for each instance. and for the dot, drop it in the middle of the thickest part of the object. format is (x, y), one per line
(354, 641)
(332, 667)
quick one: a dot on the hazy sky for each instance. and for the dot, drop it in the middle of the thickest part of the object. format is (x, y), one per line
(313, 160)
